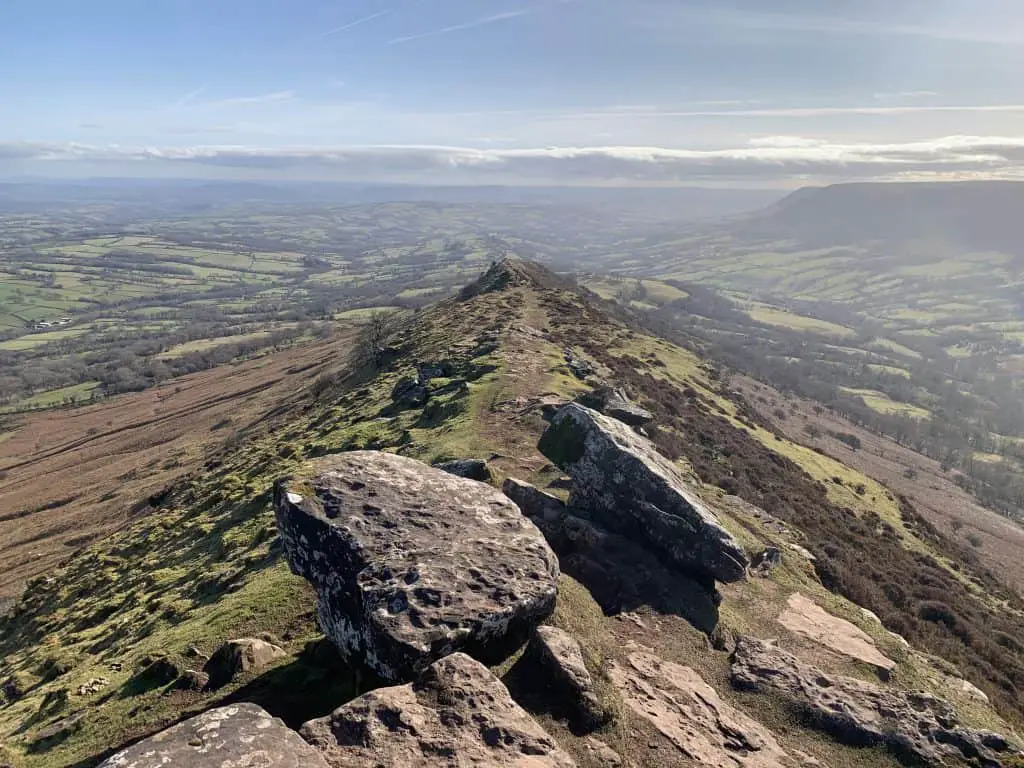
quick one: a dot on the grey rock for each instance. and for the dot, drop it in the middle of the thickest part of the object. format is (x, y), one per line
(238, 657)
(409, 392)
(412, 563)
(561, 658)
(913, 725)
(193, 680)
(627, 486)
(441, 369)
(471, 469)
(620, 573)
(457, 714)
(238, 735)
(615, 402)
(766, 561)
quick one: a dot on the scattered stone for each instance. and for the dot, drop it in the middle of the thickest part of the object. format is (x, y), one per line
(602, 753)
(913, 725)
(238, 735)
(14, 688)
(412, 563)
(623, 483)
(616, 403)
(116, 666)
(580, 368)
(442, 369)
(155, 671)
(723, 639)
(95, 685)
(410, 393)
(805, 553)
(806, 618)
(193, 680)
(693, 717)
(561, 658)
(766, 561)
(618, 572)
(456, 714)
(471, 469)
(238, 657)
(196, 652)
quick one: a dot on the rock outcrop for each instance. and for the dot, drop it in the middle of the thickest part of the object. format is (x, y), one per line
(917, 726)
(471, 469)
(806, 618)
(615, 402)
(623, 483)
(238, 735)
(457, 714)
(412, 563)
(620, 573)
(237, 657)
(693, 717)
(561, 658)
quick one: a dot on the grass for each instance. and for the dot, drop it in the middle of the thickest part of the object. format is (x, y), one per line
(889, 345)
(201, 345)
(38, 339)
(880, 402)
(76, 393)
(783, 319)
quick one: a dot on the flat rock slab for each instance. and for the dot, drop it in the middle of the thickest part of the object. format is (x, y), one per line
(690, 714)
(806, 618)
(412, 563)
(457, 714)
(561, 658)
(913, 725)
(621, 480)
(239, 735)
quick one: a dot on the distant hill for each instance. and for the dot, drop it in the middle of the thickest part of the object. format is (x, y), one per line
(976, 215)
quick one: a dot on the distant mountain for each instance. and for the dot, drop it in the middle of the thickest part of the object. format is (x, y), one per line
(982, 215)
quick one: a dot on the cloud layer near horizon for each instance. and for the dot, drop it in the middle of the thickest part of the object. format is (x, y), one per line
(768, 160)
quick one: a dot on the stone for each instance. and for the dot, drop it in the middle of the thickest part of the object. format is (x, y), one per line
(913, 725)
(155, 671)
(471, 469)
(806, 618)
(601, 754)
(440, 369)
(615, 402)
(619, 573)
(624, 484)
(561, 658)
(237, 735)
(193, 680)
(766, 561)
(456, 714)
(693, 717)
(579, 367)
(238, 657)
(410, 393)
(411, 563)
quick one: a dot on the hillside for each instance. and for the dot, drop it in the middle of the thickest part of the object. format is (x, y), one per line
(868, 595)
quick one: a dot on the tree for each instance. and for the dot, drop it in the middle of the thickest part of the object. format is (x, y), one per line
(371, 348)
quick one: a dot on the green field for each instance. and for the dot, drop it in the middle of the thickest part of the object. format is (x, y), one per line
(880, 402)
(783, 319)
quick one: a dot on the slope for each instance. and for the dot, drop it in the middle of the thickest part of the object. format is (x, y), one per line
(86, 652)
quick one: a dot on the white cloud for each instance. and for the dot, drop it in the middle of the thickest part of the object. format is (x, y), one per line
(768, 159)
(460, 27)
(262, 98)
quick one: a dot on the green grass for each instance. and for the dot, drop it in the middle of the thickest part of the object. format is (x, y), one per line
(879, 401)
(781, 318)
(77, 393)
(38, 339)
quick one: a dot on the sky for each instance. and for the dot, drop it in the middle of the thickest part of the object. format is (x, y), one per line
(753, 93)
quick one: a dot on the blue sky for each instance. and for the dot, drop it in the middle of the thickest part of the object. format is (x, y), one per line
(752, 92)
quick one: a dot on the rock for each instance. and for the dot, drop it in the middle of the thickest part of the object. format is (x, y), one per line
(619, 573)
(471, 469)
(766, 561)
(624, 484)
(193, 680)
(412, 563)
(238, 735)
(456, 714)
(410, 393)
(601, 753)
(95, 685)
(14, 688)
(441, 369)
(616, 403)
(561, 658)
(155, 671)
(806, 618)
(805, 553)
(693, 717)
(723, 639)
(915, 726)
(580, 368)
(237, 657)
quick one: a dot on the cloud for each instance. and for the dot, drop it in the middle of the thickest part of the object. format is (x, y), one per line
(460, 27)
(188, 97)
(263, 98)
(357, 23)
(768, 159)
(899, 95)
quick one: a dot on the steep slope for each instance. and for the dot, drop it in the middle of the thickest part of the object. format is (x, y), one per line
(93, 652)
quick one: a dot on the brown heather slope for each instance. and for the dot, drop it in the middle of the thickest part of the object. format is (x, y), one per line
(70, 476)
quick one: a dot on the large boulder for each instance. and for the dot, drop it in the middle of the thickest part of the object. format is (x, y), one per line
(622, 481)
(620, 573)
(615, 402)
(561, 658)
(471, 469)
(915, 726)
(412, 563)
(457, 714)
(238, 657)
(241, 734)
